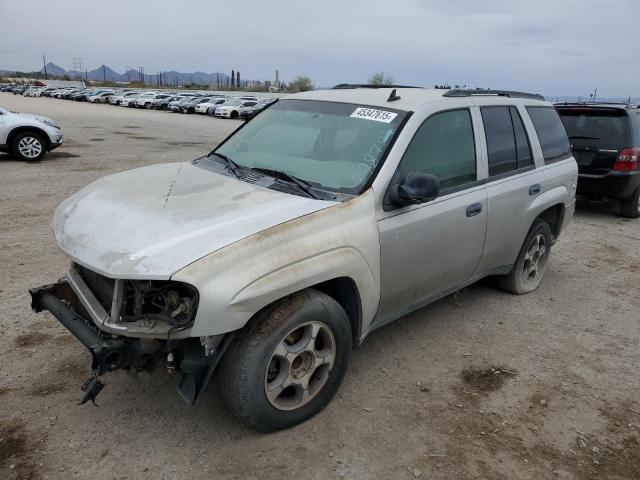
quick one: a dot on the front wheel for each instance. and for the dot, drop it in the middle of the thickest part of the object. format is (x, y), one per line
(234, 115)
(630, 208)
(29, 147)
(532, 262)
(288, 362)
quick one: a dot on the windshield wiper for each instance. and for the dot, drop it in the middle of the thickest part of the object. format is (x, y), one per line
(232, 166)
(303, 185)
(583, 137)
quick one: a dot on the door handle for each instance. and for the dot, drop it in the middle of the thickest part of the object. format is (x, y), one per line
(534, 189)
(473, 210)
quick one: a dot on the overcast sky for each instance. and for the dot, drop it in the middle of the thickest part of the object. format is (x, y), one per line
(555, 47)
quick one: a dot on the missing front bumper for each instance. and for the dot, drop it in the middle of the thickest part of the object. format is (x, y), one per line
(113, 352)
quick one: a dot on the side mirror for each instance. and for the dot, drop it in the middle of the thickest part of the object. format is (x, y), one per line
(415, 188)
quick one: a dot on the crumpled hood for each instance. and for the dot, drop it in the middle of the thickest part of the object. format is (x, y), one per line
(150, 222)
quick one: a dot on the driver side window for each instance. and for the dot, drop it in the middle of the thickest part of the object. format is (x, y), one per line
(443, 146)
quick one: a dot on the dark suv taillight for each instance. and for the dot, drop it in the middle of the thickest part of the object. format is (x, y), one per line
(627, 160)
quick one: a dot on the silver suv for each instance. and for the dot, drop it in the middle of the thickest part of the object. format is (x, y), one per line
(328, 215)
(28, 137)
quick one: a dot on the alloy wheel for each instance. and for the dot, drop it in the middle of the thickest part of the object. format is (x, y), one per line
(535, 259)
(30, 147)
(300, 366)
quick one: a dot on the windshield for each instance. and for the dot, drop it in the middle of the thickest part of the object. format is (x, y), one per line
(333, 146)
(596, 127)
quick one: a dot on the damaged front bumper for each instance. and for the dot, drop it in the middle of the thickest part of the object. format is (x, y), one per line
(195, 358)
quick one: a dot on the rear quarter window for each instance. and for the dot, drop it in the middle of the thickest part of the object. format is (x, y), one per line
(551, 133)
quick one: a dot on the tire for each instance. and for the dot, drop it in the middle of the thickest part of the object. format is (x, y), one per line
(266, 351)
(28, 146)
(234, 115)
(630, 208)
(521, 279)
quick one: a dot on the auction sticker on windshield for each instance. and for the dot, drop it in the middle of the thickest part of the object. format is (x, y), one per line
(373, 114)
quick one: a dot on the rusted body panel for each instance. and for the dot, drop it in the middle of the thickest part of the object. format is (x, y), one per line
(239, 280)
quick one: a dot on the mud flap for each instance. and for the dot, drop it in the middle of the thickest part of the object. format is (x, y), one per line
(197, 368)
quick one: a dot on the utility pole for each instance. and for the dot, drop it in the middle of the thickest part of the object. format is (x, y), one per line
(104, 74)
(44, 62)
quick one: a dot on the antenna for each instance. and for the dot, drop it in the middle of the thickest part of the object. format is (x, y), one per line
(392, 96)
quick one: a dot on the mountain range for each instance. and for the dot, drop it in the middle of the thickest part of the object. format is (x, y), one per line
(104, 72)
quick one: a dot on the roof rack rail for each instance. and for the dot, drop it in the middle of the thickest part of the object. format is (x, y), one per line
(622, 104)
(344, 86)
(499, 93)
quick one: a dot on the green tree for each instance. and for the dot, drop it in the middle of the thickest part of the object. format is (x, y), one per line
(379, 78)
(301, 83)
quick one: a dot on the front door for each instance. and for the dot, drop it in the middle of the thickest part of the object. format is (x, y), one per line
(429, 249)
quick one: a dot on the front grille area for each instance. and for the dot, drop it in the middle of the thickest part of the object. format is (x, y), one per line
(101, 286)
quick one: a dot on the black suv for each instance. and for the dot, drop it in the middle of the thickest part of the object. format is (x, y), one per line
(605, 139)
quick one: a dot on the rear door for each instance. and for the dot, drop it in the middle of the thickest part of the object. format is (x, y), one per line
(597, 134)
(512, 185)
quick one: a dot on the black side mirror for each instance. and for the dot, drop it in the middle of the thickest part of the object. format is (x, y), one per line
(415, 188)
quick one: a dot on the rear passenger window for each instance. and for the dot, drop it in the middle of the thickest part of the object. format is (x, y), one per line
(501, 142)
(523, 148)
(551, 133)
(443, 146)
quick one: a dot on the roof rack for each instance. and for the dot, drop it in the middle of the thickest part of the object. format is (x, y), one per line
(499, 93)
(620, 104)
(344, 86)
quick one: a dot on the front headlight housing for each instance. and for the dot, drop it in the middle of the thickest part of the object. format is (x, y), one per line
(50, 123)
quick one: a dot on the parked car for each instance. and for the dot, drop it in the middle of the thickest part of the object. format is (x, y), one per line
(144, 99)
(20, 89)
(247, 113)
(101, 97)
(232, 109)
(211, 110)
(117, 99)
(33, 92)
(129, 101)
(203, 108)
(82, 95)
(28, 137)
(175, 106)
(190, 107)
(606, 144)
(329, 215)
(158, 101)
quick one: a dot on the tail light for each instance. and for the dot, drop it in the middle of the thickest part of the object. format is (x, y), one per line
(627, 160)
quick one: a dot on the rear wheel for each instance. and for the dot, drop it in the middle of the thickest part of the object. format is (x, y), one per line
(28, 146)
(630, 208)
(531, 265)
(288, 362)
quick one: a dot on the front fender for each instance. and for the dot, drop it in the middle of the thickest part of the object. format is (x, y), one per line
(239, 280)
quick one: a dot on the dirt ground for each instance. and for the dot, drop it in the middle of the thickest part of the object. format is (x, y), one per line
(481, 385)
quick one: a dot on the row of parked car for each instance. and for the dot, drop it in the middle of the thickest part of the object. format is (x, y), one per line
(218, 105)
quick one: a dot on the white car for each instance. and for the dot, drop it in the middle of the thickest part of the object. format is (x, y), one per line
(130, 101)
(33, 92)
(232, 109)
(145, 99)
(28, 137)
(102, 97)
(203, 108)
(117, 99)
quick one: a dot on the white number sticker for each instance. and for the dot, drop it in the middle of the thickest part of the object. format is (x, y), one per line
(373, 114)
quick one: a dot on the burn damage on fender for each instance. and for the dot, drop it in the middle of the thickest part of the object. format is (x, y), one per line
(160, 301)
